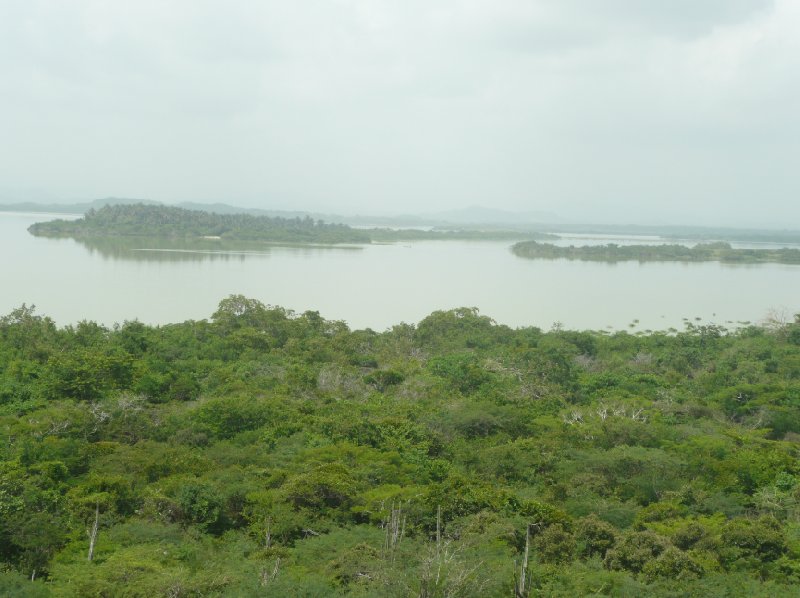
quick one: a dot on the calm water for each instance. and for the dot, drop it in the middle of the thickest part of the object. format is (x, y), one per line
(376, 286)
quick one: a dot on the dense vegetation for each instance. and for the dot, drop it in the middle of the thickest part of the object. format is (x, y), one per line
(702, 252)
(265, 453)
(162, 221)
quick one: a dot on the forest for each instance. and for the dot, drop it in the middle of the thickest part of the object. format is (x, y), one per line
(702, 252)
(263, 452)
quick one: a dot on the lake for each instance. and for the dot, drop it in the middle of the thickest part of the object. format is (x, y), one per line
(377, 286)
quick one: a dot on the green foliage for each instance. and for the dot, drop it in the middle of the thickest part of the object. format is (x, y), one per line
(458, 328)
(596, 536)
(746, 541)
(672, 564)
(555, 545)
(271, 453)
(635, 550)
(225, 417)
(327, 486)
(461, 370)
(199, 503)
(14, 584)
(85, 374)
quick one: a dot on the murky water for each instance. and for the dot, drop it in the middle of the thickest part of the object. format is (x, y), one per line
(378, 285)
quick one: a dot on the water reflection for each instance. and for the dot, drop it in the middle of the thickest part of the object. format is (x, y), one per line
(145, 249)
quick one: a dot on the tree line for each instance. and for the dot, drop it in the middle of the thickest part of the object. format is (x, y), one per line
(702, 252)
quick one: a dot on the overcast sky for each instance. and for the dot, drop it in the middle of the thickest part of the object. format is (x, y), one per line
(679, 111)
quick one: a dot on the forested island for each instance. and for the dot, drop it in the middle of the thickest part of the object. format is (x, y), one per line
(702, 252)
(144, 220)
(269, 453)
(166, 222)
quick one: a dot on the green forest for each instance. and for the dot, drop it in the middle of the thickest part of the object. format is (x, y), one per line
(702, 252)
(263, 452)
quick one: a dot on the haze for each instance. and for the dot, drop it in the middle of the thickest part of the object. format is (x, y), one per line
(622, 110)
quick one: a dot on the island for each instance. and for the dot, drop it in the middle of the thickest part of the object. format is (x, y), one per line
(144, 220)
(702, 252)
(169, 222)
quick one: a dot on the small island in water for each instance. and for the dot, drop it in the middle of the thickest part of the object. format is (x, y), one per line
(702, 252)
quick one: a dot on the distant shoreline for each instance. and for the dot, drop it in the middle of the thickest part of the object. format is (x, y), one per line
(702, 252)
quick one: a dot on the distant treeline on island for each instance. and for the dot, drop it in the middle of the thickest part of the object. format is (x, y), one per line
(156, 221)
(164, 221)
(703, 252)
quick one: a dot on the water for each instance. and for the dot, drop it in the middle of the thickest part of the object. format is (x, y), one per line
(377, 286)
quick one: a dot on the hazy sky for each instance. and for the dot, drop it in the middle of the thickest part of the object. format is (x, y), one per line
(629, 110)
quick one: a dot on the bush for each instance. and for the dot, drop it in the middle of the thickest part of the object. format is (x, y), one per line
(555, 545)
(596, 536)
(672, 564)
(752, 540)
(635, 550)
(199, 503)
(329, 486)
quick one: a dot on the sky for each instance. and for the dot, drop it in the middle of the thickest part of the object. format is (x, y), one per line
(629, 111)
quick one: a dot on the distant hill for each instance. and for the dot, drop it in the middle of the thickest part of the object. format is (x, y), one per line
(484, 215)
(475, 216)
(224, 208)
(72, 208)
(214, 208)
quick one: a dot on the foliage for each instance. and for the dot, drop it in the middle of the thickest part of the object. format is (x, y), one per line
(264, 452)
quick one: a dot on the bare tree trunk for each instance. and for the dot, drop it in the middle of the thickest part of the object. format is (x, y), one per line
(438, 529)
(268, 535)
(33, 575)
(438, 544)
(93, 532)
(520, 589)
(267, 578)
(395, 527)
(523, 577)
(275, 570)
